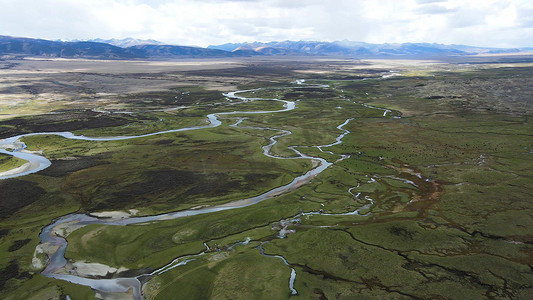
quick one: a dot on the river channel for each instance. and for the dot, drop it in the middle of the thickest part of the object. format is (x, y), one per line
(49, 237)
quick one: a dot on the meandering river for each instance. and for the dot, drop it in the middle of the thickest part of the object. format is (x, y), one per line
(49, 237)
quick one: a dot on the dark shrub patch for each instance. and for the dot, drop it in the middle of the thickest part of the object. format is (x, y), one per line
(18, 244)
(16, 194)
(63, 167)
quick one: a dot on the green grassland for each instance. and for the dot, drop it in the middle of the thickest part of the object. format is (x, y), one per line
(174, 171)
(450, 183)
(8, 162)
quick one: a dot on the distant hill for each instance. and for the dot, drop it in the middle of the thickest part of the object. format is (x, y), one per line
(164, 51)
(227, 47)
(150, 49)
(127, 42)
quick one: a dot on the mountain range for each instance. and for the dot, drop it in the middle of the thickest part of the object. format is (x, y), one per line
(123, 43)
(150, 49)
(359, 49)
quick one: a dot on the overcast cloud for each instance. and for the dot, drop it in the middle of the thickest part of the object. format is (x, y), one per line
(496, 23)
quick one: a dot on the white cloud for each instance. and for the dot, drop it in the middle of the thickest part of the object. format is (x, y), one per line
(496, 23)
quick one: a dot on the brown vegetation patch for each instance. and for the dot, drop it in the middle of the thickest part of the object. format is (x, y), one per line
(429, 191)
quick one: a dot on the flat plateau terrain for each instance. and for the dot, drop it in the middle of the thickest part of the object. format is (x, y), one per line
(422, 185)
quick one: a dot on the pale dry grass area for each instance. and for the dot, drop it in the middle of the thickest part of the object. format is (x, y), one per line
(126, 66)
(39, 86)
(407, 67)
(35, 86)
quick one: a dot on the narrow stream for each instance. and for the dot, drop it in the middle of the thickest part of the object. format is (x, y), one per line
(293, 272)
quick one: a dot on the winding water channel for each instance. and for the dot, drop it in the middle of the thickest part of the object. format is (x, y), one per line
(52, 240)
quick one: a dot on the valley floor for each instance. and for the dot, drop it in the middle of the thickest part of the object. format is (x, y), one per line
(427, 193)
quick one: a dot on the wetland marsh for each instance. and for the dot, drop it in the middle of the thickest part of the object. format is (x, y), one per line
(367, 185)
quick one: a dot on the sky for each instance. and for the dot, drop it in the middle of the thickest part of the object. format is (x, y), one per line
(488, 23)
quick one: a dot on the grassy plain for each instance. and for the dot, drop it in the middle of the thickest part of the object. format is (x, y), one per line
(8, 162)
(449, 182)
